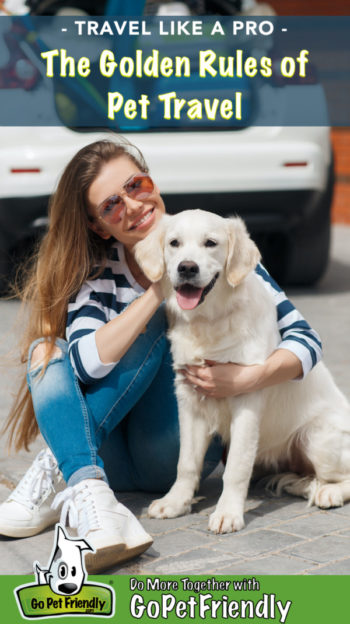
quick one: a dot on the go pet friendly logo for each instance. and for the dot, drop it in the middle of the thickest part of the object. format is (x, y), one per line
(61, 588)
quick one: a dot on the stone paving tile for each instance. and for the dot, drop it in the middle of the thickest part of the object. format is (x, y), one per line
(315, 524)
(180, 541)
(14, 465)
(342, 511)
(198, 560)
(272, 519)
(18, 555)
(255, 543)
(272, 564)
(345, 533)
(278, 509)
(157, 527)
(328, 548)
(338, 567)
(4, 490)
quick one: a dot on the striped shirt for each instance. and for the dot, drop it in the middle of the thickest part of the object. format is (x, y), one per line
(100, 300)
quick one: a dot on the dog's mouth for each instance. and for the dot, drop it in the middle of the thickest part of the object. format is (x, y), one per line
(189, 297)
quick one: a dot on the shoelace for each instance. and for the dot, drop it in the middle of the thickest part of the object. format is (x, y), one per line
(78, 509)
(38, 480)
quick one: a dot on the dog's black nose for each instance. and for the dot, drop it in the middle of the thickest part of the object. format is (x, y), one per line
(188, 269)
(68, 588)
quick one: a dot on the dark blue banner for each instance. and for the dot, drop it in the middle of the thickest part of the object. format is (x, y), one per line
(130, 73)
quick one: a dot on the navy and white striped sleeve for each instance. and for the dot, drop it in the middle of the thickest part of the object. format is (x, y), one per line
(297, 335)
(86, 314)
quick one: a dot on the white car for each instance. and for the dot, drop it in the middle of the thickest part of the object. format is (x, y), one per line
(278, 178)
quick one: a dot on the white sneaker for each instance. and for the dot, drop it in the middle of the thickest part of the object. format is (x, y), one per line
(134, 535)
(91, 508)
(27, 511)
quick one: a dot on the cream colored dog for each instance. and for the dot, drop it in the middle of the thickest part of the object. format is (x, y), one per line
(219, 310)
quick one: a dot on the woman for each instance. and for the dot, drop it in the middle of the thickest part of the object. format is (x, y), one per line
(110, 387)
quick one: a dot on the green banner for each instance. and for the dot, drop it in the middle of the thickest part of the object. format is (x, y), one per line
(207, 599)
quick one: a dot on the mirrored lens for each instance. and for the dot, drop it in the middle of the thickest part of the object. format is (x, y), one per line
(111, 210)
(139, 187)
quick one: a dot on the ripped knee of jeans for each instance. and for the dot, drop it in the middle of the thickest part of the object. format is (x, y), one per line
(40, 353)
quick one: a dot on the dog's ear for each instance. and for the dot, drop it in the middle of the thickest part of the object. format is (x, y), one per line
(243, 255)
(149, 253)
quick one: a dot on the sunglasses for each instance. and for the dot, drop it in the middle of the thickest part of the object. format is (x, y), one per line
(112, 209)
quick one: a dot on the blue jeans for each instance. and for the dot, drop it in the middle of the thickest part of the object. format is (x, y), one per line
(124, 428)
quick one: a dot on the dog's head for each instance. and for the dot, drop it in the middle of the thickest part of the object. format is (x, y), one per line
(195, 251)
(66, 571)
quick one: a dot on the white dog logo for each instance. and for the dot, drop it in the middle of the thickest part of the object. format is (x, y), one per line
(65, 573)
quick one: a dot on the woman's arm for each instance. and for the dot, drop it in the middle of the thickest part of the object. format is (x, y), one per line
(298, 352)
(296, 334)
(115, 337)
(225, 380)
(96, 343)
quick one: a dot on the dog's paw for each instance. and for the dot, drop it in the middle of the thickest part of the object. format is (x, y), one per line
(329, 495)
(167, 507)
(225, 522)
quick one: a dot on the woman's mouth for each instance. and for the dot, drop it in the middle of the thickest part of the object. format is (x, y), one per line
(144, 221)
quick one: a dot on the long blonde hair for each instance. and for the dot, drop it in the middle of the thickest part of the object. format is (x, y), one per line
(67, 255)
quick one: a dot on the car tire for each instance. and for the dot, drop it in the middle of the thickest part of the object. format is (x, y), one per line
(64, 7)
(309, 243)
(4, 267)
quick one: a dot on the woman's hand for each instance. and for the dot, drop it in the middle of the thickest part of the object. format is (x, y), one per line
(228, 380)
(221, 380)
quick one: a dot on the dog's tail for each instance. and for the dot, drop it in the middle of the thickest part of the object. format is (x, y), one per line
(317, 492)
(294, 484)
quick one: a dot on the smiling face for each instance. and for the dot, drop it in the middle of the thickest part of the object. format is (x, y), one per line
(139, 216)
(200, 256)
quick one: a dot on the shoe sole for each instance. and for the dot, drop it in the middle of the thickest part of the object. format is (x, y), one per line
(104, 558)
(129, 553)
(25, 532)
(112, 556)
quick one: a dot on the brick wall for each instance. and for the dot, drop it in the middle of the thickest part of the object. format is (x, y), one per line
(341, 202)
(311, 7)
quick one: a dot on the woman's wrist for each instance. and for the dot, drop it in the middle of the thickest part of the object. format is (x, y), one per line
(155, 291)
(247, 379)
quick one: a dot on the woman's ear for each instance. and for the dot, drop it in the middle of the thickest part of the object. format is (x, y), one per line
(95, 226)
(243, 255)
(149, 253)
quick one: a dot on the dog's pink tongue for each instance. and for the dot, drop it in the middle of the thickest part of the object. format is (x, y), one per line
(188, 297)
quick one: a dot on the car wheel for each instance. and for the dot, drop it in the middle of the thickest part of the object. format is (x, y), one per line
(4, 266)
(63, 7)
(308, 244)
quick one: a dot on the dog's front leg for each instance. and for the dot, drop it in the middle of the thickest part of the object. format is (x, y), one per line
(244, 436)
(194, 441)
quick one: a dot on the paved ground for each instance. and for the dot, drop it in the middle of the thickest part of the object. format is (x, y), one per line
(282, 535)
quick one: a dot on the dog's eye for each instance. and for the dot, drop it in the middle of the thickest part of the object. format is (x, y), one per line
(210, 243)
(74, 571)
(62, 570)
(174, 242)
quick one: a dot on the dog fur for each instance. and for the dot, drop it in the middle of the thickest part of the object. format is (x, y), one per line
(300, 426)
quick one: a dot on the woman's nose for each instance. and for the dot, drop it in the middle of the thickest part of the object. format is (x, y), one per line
(132, 205)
